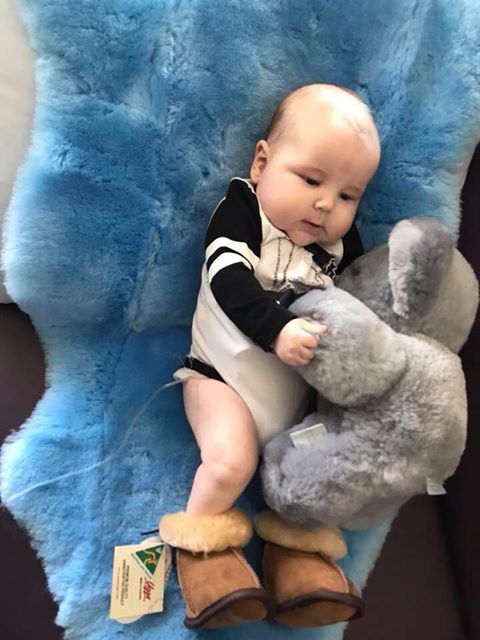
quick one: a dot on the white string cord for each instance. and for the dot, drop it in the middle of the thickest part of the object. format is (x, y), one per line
(45, 483)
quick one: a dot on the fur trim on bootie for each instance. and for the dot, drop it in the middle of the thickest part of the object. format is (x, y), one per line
(329, 540)
(205, 532)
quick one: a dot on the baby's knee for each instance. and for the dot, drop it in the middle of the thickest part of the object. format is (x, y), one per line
(233, 467)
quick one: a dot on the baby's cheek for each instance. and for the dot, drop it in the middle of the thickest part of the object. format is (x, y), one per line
(342, 224)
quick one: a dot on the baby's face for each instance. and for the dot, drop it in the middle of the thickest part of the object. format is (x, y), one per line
(311, 181)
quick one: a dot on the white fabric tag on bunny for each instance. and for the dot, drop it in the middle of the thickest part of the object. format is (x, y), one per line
(435, 488)
(306, 436)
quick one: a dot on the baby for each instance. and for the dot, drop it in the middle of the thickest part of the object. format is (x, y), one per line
(277, 234)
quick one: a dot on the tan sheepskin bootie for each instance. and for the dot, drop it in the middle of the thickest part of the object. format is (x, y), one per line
(219, 587)
(300, 574)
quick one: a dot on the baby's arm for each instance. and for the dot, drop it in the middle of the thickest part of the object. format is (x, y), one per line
(233, 244)
(232, 248)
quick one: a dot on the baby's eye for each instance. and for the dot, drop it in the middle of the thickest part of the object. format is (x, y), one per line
(345, 196)
(311, 181)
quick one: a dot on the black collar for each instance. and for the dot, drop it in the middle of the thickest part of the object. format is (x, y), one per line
(320, 255)
(325, 260)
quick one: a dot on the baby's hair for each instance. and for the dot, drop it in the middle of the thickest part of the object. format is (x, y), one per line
(276, 127)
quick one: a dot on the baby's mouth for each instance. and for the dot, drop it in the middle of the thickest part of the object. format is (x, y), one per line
(312, 225)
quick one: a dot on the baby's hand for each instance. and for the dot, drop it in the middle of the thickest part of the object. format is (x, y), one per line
(294, 344)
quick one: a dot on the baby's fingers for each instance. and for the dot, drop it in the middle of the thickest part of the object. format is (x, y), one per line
(309, 340)
(313, 327)
(304, 355)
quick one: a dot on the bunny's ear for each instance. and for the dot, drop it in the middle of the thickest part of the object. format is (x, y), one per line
(420, 254)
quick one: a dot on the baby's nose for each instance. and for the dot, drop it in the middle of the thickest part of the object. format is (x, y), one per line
(324, 203)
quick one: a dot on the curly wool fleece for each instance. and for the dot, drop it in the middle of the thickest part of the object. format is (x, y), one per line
(145, 109)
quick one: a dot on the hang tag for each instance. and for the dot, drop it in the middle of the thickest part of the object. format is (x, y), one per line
(140, 572)
(435, 488)
(306, 436)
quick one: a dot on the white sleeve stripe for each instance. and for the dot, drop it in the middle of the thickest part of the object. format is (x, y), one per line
(240, 247)
(225, 260)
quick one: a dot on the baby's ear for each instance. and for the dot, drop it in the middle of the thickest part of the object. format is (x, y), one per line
(260, 159)
(420, 254)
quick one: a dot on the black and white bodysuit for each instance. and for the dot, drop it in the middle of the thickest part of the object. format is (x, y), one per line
(251, 270)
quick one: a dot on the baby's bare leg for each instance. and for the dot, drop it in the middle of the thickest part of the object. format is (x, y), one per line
(227, 437)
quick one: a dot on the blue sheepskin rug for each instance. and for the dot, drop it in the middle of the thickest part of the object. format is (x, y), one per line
(145, 110)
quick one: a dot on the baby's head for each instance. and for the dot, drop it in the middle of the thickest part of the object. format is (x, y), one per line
(321, 151)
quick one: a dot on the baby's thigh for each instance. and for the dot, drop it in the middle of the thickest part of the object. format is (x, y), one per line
(221, 422)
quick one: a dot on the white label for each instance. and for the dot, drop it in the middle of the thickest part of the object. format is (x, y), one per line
(305, 436)
(435, 488)
(138, 579)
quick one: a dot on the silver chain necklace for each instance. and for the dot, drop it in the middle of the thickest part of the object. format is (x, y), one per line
(328, 269)
(276, 285)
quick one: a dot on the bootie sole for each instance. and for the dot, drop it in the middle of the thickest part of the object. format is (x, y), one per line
(246, 605)
(319, 608)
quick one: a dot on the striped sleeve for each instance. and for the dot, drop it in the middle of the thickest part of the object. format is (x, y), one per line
(232, 248)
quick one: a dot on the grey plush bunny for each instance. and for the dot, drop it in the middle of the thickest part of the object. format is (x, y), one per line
(391, 390)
